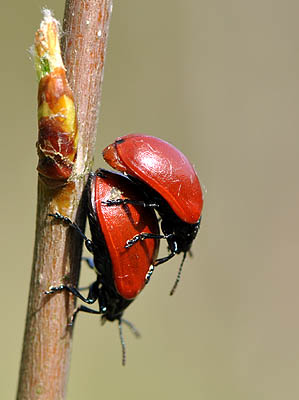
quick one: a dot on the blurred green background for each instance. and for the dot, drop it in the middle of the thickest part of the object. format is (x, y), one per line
(219, 80)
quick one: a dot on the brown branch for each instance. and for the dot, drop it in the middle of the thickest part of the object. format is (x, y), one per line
(57, 251)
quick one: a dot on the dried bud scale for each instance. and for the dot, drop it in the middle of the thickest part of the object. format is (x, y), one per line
(57, 121)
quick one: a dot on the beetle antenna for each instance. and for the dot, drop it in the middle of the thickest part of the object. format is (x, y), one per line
(122, 341)
(121, 336)
(132, 327)
(178, 275)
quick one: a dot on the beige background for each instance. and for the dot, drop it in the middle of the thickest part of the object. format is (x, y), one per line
(220, 80)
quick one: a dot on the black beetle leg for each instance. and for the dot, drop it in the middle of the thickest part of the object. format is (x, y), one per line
(82, 309)
(88, 242)
(90, 299)
(173, 247)
(119, 202)
(164, 259)
(145, 235)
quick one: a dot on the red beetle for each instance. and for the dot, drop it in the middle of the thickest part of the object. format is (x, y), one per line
(129, 266)
(170, 185)
(121, 272)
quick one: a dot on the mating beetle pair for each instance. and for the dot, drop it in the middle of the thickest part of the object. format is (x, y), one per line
(153, 175)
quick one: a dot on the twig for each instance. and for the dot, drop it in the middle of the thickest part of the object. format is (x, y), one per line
(57, 251)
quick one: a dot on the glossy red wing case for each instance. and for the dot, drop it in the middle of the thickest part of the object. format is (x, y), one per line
(120, 223)
(161, 166)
